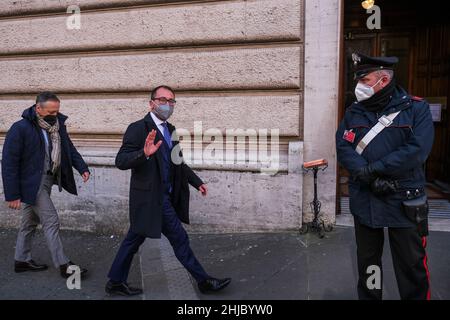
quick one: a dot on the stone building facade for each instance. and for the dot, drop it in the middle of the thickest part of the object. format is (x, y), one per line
(239, 67)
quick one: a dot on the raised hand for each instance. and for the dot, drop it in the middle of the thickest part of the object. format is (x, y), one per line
(149, 147)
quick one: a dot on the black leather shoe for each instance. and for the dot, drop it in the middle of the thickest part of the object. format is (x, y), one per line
(122, 289)
(23, 266)
(213, 284)
(65, 274)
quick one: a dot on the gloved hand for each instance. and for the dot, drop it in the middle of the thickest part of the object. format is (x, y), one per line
(381, 187)
(365, 175)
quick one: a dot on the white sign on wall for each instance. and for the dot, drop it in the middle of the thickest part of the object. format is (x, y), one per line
(436, 111)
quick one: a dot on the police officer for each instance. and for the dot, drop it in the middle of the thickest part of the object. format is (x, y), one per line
(383, 141)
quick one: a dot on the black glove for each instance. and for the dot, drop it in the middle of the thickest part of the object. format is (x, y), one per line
(365, 175)
(381, 187)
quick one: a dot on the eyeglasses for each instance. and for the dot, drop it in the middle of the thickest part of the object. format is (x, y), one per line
(164, 101)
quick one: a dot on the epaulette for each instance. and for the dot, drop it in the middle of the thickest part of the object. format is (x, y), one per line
(415, 98)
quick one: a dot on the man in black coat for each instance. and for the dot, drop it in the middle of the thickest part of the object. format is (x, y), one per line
(38, 153)
(159, 194)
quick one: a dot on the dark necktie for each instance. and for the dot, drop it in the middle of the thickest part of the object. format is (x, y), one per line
(167, 135)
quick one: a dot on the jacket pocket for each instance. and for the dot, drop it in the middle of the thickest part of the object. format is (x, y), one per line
(403, 126)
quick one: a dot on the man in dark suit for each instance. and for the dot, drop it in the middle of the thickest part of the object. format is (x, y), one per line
(159, 194)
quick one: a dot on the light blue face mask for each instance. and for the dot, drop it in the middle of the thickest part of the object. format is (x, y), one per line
(163, 111)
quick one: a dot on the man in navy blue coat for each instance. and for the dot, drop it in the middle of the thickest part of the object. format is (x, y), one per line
(385, 171)
(37, 154)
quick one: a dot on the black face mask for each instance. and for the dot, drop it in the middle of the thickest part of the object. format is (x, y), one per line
(381, 99)
(51, 120)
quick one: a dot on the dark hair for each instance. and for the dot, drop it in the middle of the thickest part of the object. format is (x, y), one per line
(46, 96)
(153, 93)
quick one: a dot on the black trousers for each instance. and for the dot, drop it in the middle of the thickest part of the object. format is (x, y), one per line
(178, 238)
(408, 256)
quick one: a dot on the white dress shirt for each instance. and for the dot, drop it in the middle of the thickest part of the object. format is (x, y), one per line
(158, 123)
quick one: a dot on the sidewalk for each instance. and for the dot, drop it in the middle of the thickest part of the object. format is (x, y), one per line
(263, 266)
(86, 249)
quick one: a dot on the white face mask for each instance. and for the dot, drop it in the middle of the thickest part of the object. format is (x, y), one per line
(364, 92)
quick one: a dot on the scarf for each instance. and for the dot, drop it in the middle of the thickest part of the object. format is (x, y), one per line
(56, 141)
(381, 99)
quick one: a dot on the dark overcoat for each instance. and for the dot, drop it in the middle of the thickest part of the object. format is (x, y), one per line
(146, 185)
